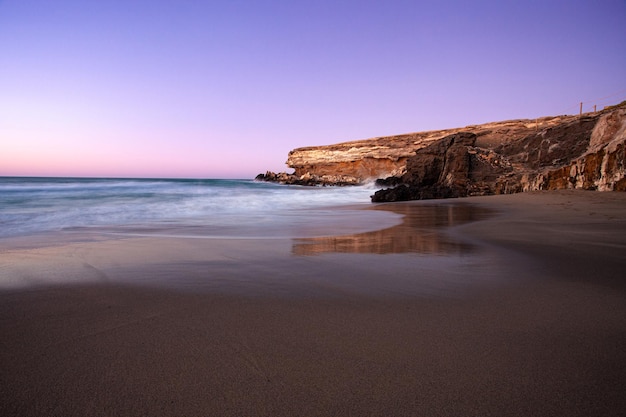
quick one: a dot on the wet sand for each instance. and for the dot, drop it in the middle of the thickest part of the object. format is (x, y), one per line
(504, 306)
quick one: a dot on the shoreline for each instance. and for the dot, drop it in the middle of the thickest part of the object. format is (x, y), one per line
(517, 313)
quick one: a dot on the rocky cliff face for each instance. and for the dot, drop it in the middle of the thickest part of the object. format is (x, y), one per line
(585, 151)
(601, 166)
(366, 160)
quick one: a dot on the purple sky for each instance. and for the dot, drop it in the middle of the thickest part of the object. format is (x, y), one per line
(225, 89)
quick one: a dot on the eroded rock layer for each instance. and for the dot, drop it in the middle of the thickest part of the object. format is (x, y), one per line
(585, 152)
(558, 152)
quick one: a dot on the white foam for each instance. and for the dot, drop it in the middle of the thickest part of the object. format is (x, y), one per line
(34, 206)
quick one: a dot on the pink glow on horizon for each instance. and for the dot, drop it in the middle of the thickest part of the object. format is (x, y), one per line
(132, 161)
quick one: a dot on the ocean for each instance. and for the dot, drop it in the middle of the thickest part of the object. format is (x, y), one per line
(202, 208)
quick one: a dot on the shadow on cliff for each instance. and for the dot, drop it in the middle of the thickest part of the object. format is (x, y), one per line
(586, 152)
(422, 231)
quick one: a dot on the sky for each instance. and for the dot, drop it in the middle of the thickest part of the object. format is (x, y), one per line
(225, 89)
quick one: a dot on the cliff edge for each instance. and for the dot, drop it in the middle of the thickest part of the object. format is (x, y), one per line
(586, 152)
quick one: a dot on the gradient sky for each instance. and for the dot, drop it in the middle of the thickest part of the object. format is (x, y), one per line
(225, 89)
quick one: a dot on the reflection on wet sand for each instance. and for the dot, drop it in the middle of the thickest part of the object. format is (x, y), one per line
(422, 231)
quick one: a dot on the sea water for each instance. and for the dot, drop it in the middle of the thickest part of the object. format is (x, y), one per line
(191, 207)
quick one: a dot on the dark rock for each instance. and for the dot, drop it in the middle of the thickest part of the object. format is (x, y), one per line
(307, 179)
(443, 163)
(440, 170)
(388, 182)
(557, 145)
(409, 192)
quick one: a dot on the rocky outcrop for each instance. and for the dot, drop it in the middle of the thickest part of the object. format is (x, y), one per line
(601, 167)
(585, 152)
(360, 160)
(306, 179)
(450, 167)
(366, 160)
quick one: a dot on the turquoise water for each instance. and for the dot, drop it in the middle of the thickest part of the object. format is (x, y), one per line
(198, 207)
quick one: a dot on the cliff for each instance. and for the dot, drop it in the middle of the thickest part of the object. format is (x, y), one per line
(586, 151)
(361, 161)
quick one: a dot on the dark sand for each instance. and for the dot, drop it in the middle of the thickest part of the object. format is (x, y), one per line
(496, 306)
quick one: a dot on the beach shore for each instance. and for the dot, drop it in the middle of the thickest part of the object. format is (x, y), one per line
(504, 305)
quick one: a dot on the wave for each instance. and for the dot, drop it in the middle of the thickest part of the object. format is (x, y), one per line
(33, 205)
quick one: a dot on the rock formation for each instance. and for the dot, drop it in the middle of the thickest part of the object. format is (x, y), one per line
(586, 152)
(352, 163)
(307, 179)
(440, 170)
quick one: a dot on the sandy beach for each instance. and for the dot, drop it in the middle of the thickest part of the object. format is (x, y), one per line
(485, 306)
